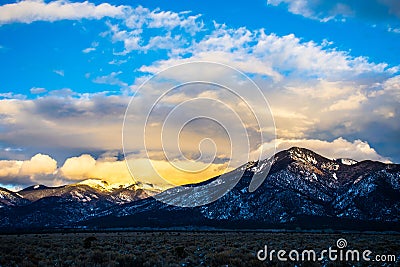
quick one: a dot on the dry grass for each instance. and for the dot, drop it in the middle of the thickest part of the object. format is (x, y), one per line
(173, 248)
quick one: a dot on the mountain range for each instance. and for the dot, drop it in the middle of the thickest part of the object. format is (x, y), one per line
(302, 190)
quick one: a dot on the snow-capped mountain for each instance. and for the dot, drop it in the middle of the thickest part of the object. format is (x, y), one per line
(302, 183)
(41, 206)
(9, 198)
(302, 189)
(87, 191)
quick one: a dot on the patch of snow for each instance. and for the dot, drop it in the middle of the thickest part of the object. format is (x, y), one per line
(259, 168)
(77, 195)
(334, 176)
(36, 186)
(330, 166)
(348, 161)
(312, 160)
(97, 184)
(358, 179)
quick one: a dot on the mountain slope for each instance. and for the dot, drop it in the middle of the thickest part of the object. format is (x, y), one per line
(9, 198)
(302, 183)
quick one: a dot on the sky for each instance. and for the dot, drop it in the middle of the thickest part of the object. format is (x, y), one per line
(329, 71)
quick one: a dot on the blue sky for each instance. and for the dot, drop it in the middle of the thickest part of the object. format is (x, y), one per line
(48, 51)
(329, 70)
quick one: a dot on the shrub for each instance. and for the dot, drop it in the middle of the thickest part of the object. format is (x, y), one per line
(87, 243)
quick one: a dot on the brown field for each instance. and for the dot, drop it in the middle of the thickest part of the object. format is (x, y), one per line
(178, 248)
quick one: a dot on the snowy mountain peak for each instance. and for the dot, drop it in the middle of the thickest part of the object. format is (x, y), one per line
(305, 155)
(98, 184)
(346, 161)
(9, 198)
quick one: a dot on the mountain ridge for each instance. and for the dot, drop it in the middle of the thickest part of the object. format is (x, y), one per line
(300, 186)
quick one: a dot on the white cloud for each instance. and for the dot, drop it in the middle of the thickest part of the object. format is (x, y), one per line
(10, 168)
(59, 72)
(37, 90)
(38, 164)
(141, 17)
(117, 62)
(110, 79)
(394, 30)
(86, 167)
(11, 95)
(88, 50)
(39, 168)
(327, 10)
(170, 27)
(350, 103)
(29, 11)
(392, 86)
(268, 54)
(43, 169)
(339, 148)
(78, 167)
(91, 48)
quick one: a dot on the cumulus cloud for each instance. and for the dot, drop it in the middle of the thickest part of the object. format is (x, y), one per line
(38, 164)
(29, 11)
(37, 169)
(376, 10)
(78, 167)
(42, 169)
(10, 168)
